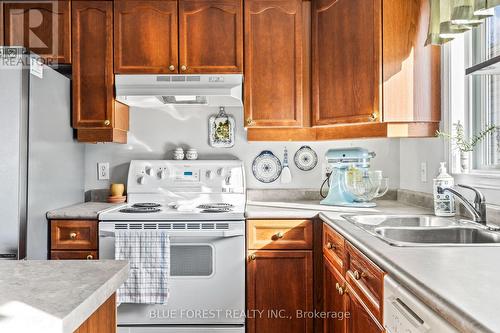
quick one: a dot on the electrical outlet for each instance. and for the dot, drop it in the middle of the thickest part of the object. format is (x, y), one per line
(326, 168)
(423, 172)
(103, 171)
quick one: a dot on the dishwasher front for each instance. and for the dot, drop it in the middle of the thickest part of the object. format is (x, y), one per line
(405, 313)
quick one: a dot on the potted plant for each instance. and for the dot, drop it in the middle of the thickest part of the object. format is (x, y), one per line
(464, 144)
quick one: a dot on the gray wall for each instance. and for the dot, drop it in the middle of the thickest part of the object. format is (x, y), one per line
(154, 133)
(413, 153)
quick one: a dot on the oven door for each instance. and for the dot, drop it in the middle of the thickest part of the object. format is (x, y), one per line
(207, 274)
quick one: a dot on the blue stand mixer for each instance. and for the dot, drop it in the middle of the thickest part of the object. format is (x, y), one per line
(351, 182)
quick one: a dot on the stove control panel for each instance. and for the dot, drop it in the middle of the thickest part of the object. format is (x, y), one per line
(200, 175)
(186, 174)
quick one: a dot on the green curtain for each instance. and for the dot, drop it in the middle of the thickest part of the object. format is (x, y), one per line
(451, 17)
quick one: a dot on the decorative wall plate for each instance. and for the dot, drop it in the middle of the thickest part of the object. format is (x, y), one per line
(266, 167)
(221, 130)
(305, 158)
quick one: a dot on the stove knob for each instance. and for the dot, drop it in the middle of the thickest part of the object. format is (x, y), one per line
(149, 170)
(210, 174)
(141, 180)
(162, 174)
(220, 172)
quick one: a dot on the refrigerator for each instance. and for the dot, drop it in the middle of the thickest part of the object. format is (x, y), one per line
(41, 164)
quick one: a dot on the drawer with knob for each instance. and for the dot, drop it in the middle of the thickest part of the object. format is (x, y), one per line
(280, 234)
(366, 279)
(73, 235)
(73, 255)
(334, 248)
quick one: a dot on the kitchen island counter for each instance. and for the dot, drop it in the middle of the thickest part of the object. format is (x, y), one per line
(55, 296)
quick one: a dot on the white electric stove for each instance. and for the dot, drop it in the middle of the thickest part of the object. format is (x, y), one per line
(201, 205)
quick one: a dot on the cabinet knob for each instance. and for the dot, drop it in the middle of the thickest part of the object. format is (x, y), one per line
(330, 246)
(183, 68)
(250, 122)
(90, 257)
(107, 122)
(72, 235)
(357, 275)
(279, 235)
(252, 257)
(373, 116)
(171, 68)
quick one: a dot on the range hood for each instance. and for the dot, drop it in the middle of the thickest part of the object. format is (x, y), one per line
(162, 90)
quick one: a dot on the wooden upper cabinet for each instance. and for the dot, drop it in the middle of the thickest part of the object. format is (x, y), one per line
(210, 36)
(274, 63)
(92, 30)
(145, 37)
(346, 61)
(44, 27)
(276, 281)
(412, 84)
(96, 115)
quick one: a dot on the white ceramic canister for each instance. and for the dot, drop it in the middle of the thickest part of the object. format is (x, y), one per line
(178, 154)
(192, 154)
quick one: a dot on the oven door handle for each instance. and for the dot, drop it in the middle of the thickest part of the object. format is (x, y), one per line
(221, 234)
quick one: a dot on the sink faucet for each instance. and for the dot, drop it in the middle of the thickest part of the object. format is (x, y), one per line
(478, 210)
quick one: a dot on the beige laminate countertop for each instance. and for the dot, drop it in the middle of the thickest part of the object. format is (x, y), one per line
(82, 211)
(459, 283)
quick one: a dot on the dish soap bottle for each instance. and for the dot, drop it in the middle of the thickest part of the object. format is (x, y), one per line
(444, 203)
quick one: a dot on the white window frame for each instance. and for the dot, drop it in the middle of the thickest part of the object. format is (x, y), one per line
(455, 107)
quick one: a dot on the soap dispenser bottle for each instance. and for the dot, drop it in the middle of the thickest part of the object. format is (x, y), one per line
(444, 203)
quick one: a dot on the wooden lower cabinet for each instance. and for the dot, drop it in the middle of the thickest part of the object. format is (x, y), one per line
(103, 320)
(73, 255)
(279, 289)
(347, 295)
(360, 319)
(73, 240)
(334, 304)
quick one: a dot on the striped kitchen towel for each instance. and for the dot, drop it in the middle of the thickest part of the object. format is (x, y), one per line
(148, 252)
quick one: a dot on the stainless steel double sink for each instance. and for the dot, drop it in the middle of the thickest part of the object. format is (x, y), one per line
(425, 230)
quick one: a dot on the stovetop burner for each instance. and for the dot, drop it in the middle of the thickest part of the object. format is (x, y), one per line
(146, 205)
(217, 205)
(216, 210)
(139, 209)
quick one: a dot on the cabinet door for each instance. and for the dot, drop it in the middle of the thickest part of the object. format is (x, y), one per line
(360, 319)
(346, 46)
(44, 27)
(274, 63)
(333, 302)
(210, 36)
(92, 30)
(145, 36)
(73, 255)
(279, 284)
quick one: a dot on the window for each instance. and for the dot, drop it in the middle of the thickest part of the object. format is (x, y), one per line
(484, 95)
